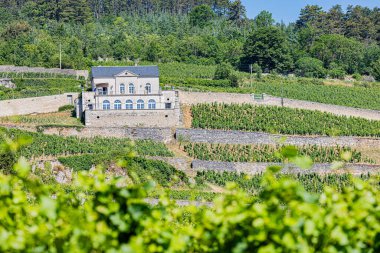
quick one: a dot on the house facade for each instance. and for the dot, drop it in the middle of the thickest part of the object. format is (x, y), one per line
(128, 96)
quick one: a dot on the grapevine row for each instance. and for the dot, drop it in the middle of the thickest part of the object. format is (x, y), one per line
(266, 153)
(53, 145)
(253, 184)
(281, 120)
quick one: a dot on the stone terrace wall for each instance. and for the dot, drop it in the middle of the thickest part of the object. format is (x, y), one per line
(257, 168)
(44, 104)
(24, 69)
(133, 118)
(191, 98)
(157, 134)
(239, 137)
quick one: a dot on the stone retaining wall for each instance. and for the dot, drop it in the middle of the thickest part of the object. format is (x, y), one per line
(133, 118)
(257, 168)
(44, 104)
(24, 69)
(239, 137)
(156, 134)
(191, 98)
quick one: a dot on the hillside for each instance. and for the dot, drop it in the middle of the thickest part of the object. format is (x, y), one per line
(250, 135)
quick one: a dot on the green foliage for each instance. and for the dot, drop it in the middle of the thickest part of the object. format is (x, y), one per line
(7, 159)
(281, 120)
(196, 81)
(66, 108)
(92, 30)
(182, 70)
(139, 169)
(195, 195)
(223, 71)
(234, 80)
(144, 170)
(103, 214)
(33, 75)
(375, 70)
(257, 69)
(85, 162)
(347, 53)
(336, 72)
(312, 182)
(266, 153)
(40, 87)
(201, 15)
(310, 67)
(264, 19)
(268, 47)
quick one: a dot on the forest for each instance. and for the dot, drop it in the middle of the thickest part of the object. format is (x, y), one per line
(320, 43)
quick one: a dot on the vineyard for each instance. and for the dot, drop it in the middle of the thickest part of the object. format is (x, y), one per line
(280, 120)
(40, 87)
(59, 118)
(267, 153)
(302, 89)
(311, 182)
(53, 145)
(35, 75)
(195, 81)
(139, 169)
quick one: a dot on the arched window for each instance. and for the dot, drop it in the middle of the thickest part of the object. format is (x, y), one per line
(140, 104)
(106, 105)
(148, 88)
(152, 104)
(129, 105)
(131, 88)
(117, 105)
(122, 88)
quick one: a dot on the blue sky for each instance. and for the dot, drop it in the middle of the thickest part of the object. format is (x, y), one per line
(288, 10)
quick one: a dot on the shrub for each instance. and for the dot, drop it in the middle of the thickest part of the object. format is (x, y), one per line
(223, 71)
(234, 80)
(336, 71)
(310, 67)
(66, 108)
(357, 77)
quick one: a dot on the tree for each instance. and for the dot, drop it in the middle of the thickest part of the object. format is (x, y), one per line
(358, 24)
(16, 29)
(264, 19)
(310, 67)
(334, 22)
(312, 15)
(201, 15)
(347, 53)
(237, 11)
(375, 70)
(223, 71)
(269, 48)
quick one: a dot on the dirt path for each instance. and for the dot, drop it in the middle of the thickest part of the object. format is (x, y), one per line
(187, 117)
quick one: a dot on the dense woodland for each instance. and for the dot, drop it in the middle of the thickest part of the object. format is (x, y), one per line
(320, 43)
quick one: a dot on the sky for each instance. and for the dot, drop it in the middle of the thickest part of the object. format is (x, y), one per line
(288, 10)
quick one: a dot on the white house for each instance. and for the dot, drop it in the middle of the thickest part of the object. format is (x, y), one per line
(128, 96)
